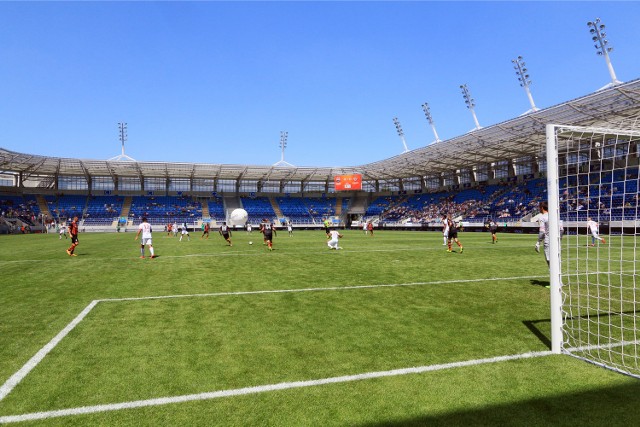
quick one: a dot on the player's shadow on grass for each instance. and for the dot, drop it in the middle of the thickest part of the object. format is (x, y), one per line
(542, 283)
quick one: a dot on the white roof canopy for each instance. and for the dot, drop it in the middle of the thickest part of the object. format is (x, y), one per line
(519, 137)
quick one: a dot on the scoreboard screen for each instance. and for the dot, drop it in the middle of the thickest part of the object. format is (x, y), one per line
(348, 182)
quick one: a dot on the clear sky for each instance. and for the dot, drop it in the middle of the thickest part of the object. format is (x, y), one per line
(216, 82)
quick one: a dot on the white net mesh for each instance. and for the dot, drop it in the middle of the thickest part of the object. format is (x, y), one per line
(598, 181)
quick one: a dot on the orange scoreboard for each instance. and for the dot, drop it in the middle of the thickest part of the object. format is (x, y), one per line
(348, 182)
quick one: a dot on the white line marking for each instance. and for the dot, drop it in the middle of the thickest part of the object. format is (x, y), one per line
(37, 358)
(333, 288)
(260, 389)
(15, 379)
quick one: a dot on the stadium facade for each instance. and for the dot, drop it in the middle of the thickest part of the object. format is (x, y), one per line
(511, 151)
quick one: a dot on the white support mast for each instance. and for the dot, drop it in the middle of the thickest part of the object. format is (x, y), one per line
(122, 126)
(400, 133)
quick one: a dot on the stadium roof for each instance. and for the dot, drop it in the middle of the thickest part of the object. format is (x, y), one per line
(523, 136)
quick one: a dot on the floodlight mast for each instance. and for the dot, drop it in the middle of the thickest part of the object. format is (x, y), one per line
(122, 135)
(525, 81)
(602, 47)
(471, 103)
(283, 144)
(400, 133)
(427, 114)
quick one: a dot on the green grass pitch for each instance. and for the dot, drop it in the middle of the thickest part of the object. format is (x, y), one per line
(242, 317)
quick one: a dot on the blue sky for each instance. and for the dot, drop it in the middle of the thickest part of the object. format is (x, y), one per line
(216, 82)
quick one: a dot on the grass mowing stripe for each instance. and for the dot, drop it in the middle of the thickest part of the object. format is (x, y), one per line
(16, 378)
(261, 389)
(333, 288)
(276, 251)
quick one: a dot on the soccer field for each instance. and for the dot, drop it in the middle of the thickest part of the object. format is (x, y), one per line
(391, 330)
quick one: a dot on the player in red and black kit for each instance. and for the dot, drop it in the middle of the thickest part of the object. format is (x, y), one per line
(268, 230)
(73, 233)
(205, 232)
(225, 232)
(453, 234)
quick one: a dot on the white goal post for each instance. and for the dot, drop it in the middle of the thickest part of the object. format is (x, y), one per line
(592, 185)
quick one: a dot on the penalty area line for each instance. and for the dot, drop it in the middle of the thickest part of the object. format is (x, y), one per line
(331, 288)
(260, 389)
(17, 377)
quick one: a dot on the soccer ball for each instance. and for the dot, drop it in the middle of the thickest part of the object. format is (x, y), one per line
(251, 243)
(238, 217)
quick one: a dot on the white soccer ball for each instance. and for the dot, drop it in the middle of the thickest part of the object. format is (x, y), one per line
(251, 243)
(238, 217)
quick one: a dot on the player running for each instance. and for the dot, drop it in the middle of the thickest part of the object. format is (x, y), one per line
(184, 232)
(268, 230)
(326, 224)
(592, 226)
(493, 228)
(453, 234)
(225, 232)
(145, 229)
(205, 230)
(445, 230)
(62, 231)
(73, 233)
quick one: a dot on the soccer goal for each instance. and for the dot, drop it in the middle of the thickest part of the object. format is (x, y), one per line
(592, 185)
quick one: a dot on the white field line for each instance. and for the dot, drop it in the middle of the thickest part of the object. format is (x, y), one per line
(260, 389)
(333, 288)
(16, 378)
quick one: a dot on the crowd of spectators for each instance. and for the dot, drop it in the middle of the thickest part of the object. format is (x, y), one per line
(25, 210)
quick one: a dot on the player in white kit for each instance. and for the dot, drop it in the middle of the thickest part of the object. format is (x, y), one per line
(334, 235)
(145, 229)
(445, 230)
(593, 229)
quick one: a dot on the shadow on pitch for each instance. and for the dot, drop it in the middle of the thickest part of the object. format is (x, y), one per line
(542, 283)
(612, 406)
(532, 326)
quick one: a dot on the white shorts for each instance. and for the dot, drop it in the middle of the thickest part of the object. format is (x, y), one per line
(146, 241)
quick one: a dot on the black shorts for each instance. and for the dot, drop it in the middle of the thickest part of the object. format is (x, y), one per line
(268, 235)
(453, 234)
(225, 235)
(74, 238)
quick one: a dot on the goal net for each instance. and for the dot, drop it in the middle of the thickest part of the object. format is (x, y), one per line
(593, 193)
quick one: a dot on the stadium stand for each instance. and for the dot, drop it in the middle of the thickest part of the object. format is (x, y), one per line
(295, 209)
(24, 208)
(161, 210)
(258, 208)
(216, 209)
(64, 207)
(102, 210)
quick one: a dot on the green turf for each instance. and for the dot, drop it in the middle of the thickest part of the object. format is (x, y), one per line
(449, 307)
